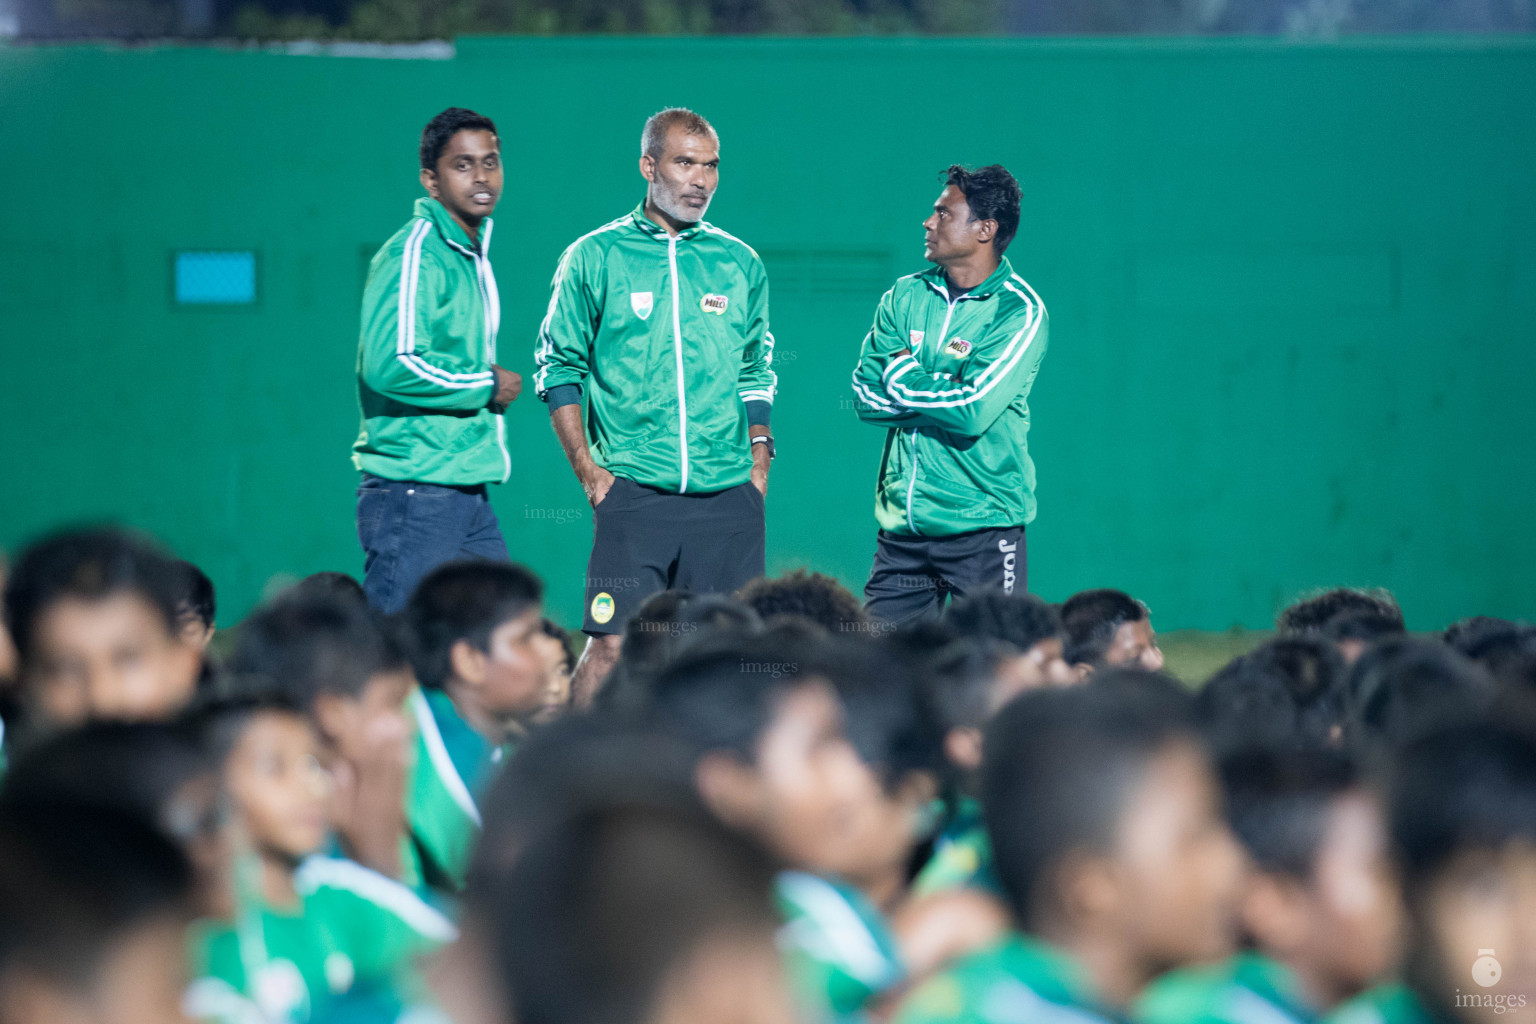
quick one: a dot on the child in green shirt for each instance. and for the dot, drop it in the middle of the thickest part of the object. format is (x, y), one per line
(477, 645)
(1105, 821)
(1319, 906)
(311, 937)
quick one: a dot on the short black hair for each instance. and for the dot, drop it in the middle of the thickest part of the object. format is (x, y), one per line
(222, 722)
(1467, 787)
(300, 647)
(89, 564)
(889, 715)
(1091, 619)
(1404, 687)
(724, 692)
(961, 678)
(1060, 767)
(665, 625)
(331, 583)
(443, 127)
(555, 631)
(197, 596)
(75, 881)
(1506, 649)
(992, 194)
(464, 601)
(1287, 693)
(1367, 626)
(1278, 804)
(1313, 612)
(134, 768)
(1022, 620)
(600, 912)
(811, 595)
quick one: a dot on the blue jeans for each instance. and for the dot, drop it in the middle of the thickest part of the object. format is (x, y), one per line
(407, 529)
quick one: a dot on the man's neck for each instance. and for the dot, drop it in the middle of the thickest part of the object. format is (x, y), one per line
(965, 274)
(662, 219)
(277, 888)
(471, 228)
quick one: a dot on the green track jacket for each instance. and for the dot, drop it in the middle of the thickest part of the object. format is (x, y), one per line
(668, 337)
(424, 377)
(955, 457)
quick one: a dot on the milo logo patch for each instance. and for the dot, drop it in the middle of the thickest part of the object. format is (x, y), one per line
(714, 304)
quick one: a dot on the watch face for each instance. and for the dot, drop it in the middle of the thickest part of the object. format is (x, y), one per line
(1486, 971)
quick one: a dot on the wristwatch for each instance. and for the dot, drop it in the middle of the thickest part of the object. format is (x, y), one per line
(767, 441)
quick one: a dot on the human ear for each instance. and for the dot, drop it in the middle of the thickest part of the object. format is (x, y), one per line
(963, 747)
(729, 789)
(429, 182)
(647, 167)
(466, 662)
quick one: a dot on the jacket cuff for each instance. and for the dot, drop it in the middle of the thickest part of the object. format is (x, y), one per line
(562, 394)
(758, 412)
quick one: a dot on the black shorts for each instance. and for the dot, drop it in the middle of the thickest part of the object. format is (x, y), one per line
(912, 576)
(645, 541)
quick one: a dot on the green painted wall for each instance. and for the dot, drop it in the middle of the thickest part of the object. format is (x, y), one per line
(1292, 292)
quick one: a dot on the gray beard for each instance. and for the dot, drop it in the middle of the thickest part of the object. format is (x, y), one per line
(667, 201)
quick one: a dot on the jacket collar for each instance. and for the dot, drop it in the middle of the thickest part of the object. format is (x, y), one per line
(434, 211)
(655, 230)
(935, 277)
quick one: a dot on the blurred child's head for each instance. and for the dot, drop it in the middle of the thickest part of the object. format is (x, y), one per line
(94, 907)
(476, 630)
(1316, 612)
(1462, 814)
(330, 583)
(1321, 896)
(333, 659)
(1026, 623)
(277, 788)
(94, 614)
(1106, 825)
(196, 606)
(555, 650)
(810, 595)
(1287, 693)
(900, 742)
(967, 682)
(158, 773)
(1354, 632)
(667, 623)
(772, 757)
(1109, 629)
(642, 915)
(1402, 688)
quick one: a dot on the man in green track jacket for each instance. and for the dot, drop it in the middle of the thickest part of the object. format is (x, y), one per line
(660, 321)
(947, 369)
(427, 380)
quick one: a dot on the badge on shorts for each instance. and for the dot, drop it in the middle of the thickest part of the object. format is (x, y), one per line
(641, 303)
(714, 304)
(957, 347)
(916, 337)
(602, 608)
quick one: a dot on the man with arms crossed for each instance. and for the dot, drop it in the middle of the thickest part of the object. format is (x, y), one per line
(427, 380)
(660, 320)
(947, 368)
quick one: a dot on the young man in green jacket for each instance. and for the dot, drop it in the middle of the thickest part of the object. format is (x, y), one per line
(430, 390)
(660, 321)
(947, 368)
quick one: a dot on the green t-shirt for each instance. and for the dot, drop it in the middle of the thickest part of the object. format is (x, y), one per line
(1246, 989)
(962, 855)
(1386, 1004)
(452, 766)
(1021, 980)
(839, 951)
(344, 953)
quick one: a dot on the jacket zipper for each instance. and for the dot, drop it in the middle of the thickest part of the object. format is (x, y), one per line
(912, 431)
(677, 348)
(486, 281)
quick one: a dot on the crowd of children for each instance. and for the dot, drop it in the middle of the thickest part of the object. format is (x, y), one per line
(775, 809)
